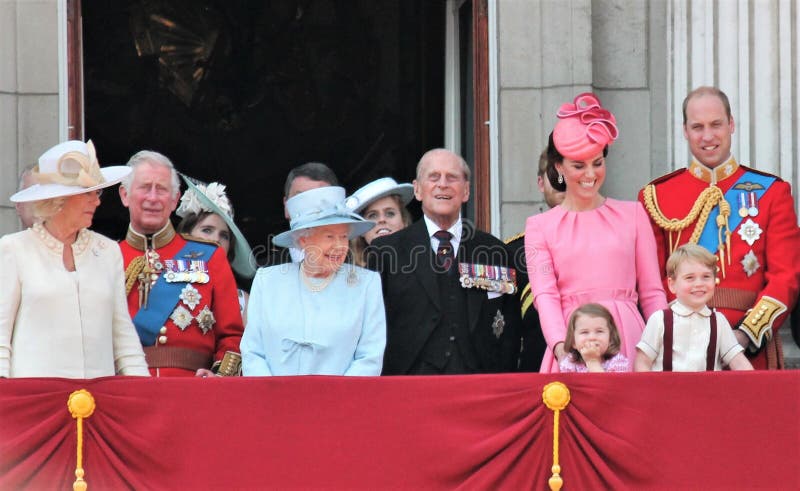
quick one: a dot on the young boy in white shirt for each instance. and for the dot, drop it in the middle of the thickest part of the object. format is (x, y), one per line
(689, 336)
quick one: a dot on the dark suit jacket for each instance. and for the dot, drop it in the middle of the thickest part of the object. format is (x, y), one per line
(533, 343)
(411, 296)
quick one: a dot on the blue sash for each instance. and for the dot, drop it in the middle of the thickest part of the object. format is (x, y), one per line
(710, 236)
(164, 296)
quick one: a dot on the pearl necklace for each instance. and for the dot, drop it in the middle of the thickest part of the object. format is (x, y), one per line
(311, 283)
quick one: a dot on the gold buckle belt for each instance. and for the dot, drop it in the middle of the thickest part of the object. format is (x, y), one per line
(173, 357)
(733, 298)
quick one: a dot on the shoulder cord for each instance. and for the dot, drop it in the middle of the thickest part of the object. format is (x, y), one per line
(708, 199)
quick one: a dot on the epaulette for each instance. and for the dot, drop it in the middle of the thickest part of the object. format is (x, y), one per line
(192, 238)
(667, 177)
(761, 172)
(511, 239)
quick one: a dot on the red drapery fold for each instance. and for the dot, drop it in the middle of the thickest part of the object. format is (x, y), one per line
(620, 431)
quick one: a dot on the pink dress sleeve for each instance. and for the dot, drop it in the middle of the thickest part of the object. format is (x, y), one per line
(544, 284)
(648, 278)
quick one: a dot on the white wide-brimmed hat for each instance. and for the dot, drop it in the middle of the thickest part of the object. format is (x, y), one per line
(67, 169)
(317, 208)
(211, 197)
(377, 189)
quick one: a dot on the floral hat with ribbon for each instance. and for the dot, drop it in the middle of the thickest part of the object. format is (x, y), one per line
(67, 169)
(200, 197)
(377, 189)
(584, 128)
(317, 208)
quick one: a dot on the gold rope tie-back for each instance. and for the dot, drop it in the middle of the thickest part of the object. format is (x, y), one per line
(556, 397)
(81, 405)
(132, 272)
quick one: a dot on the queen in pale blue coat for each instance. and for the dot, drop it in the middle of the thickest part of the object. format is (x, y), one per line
(319, 316)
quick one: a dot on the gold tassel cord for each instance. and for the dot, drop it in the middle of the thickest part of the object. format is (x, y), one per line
(81, 405)
(706, 201)
(132, 272)
(556, 397)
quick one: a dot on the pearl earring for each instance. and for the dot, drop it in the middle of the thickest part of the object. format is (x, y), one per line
(560, 178)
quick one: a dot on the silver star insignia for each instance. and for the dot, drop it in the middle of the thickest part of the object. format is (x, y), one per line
(190, 296)
(206, 319)
(750, 263)
(750, 232)
(181, 317)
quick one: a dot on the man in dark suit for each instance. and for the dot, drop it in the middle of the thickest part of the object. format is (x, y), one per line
(310, 175)
(446, 313)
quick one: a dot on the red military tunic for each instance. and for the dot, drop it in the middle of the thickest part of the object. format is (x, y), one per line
(183, 345)
(758, 282)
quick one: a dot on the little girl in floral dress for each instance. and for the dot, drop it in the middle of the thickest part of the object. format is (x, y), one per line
(593, 341)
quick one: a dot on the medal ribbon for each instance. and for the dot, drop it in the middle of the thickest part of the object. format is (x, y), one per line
(710, 238)
(163, 298)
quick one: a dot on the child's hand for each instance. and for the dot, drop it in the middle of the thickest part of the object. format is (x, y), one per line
(590, 352)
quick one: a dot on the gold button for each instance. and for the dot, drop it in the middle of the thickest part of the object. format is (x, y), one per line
(162, 340)
(163, 330)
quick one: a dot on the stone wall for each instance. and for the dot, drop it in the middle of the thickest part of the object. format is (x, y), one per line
(551, 50)
(29, 101)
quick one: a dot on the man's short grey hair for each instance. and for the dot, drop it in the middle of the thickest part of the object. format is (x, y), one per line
(427, 155)
(155, 158)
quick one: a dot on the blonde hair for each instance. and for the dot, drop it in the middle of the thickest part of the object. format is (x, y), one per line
(691, 252)
(46, 208)
(592, 310)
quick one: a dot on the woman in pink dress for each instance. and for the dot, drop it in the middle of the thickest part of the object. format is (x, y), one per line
(589, 249)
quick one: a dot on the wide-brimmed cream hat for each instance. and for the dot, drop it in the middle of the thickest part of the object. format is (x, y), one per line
(377, 189)
(316, 208)
(67, 169)
(211, 197)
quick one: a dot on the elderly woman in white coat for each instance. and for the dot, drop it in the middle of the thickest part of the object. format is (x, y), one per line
(63, 311)
(319, 316)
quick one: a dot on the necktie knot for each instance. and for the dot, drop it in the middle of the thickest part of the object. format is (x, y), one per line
(443, 235)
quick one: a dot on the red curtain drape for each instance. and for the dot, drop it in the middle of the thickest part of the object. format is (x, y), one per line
(620, 431)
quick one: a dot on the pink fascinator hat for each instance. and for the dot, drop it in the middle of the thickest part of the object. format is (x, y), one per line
(584, 128)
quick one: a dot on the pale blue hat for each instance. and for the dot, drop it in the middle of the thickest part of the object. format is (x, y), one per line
(316, 208)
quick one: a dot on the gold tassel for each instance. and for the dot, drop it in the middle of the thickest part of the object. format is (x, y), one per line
(81, 405)
(556, 397)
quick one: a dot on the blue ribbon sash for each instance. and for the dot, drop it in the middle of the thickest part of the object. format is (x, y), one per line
(164, 296)
(709, 238)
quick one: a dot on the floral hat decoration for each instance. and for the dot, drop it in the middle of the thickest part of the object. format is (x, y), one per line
(584, 128)
(67, 169)
(211, 198)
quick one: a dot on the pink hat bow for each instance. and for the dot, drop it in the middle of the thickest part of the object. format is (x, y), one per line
(584, 128)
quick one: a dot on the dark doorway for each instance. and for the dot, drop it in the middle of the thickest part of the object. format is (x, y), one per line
(242, 91)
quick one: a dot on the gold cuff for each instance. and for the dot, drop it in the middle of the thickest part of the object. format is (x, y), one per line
(758, 323)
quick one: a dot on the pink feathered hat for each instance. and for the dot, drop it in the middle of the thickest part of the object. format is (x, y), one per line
(584, 128)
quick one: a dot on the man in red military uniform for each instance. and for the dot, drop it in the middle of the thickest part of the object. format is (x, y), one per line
(181, 291)
(744, 216)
